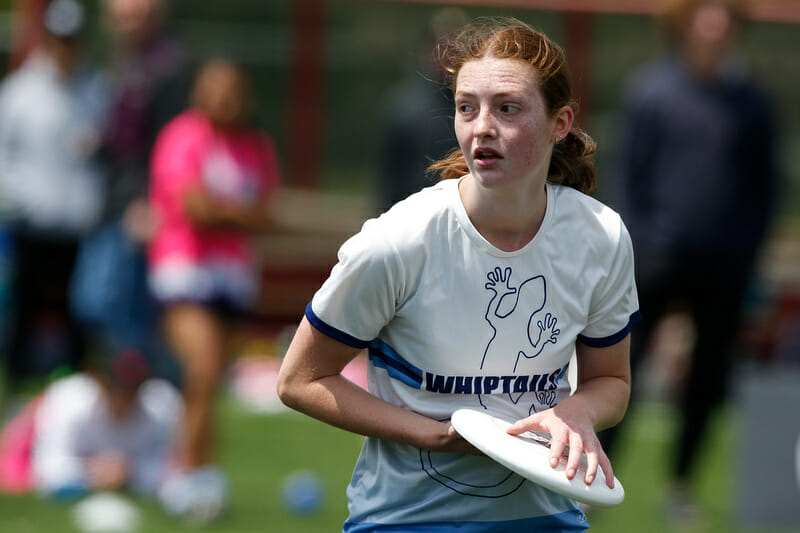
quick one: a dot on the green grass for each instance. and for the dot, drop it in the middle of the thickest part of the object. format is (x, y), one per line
(260, 450)
(644, 459)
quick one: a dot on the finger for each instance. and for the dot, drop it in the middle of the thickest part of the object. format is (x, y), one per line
(575, 455)
(522, 425)
(557, 445)
(605, 464)
(516, 428)
(591, 467)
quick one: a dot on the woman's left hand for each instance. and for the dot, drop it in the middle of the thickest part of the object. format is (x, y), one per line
(569, 425)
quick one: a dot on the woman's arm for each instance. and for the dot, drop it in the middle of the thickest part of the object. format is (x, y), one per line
(310, 381)
(207, 211)
(604, 377)
(600, 401)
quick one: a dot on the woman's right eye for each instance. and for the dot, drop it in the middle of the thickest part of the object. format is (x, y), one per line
(465, 108)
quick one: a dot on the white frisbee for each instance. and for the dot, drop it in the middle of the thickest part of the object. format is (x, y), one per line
(106, 512)
(528, 455)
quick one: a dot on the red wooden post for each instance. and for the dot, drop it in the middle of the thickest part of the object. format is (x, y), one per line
(578, 46)
(27, 31)
(305, 94)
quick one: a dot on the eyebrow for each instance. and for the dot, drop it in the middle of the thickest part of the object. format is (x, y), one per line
(505, 94)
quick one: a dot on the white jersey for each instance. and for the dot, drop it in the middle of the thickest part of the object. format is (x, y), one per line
(450, 322)
(73, 422)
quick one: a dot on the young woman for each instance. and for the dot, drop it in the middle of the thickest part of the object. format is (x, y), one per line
(475, 293)
(212, 176)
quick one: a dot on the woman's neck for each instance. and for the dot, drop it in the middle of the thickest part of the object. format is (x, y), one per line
(507, 221)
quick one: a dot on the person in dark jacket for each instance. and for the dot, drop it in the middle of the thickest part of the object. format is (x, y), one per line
(695, 183)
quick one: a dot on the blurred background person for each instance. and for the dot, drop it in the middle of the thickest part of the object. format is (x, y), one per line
(149, 69)
(212, 176)
(417, 125)
(52, 115)
(696, 184)
(111, 428)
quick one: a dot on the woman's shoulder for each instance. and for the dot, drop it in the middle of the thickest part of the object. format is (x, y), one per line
(187, 131)
(74, 394)
(78, 384)
(189, 122)
(585, 215)
(404, 229)
(429, 201)
(417, 215)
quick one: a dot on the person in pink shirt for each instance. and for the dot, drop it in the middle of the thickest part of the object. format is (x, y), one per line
(211, 178)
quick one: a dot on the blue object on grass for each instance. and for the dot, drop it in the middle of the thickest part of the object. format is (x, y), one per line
(303, 492)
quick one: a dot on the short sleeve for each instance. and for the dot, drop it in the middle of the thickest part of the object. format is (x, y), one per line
(615, 302)
(360, 296)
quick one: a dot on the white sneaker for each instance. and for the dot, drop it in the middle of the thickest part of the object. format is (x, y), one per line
(199, 495)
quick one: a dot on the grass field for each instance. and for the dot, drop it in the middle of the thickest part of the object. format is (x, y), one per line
(260, 450)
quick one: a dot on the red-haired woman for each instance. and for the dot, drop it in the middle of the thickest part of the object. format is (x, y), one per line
(475, 293)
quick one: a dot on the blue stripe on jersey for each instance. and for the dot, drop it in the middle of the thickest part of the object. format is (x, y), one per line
(332, 332)
(567, 522)
(384, 356)
(611, 340)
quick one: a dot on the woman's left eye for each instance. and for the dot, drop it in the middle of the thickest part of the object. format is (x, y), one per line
(509, 109)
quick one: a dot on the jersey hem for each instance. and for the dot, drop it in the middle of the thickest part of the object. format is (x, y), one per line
(566, 522)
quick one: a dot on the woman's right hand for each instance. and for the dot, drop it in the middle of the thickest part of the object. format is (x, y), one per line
(455, 443)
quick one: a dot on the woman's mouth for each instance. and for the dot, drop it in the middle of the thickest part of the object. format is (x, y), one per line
(486, 157)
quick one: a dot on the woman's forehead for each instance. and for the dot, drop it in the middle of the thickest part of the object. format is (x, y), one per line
(496, 74)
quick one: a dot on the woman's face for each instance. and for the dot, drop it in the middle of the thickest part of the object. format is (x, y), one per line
(221, 94)
(132, 19)
(502, 124)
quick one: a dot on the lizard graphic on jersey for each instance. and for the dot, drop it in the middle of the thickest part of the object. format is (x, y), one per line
(512, 314)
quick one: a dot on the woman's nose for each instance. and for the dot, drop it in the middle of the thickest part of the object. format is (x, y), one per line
(484, 124)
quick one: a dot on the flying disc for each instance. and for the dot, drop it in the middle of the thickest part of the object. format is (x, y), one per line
(528, 455)
(106, 512)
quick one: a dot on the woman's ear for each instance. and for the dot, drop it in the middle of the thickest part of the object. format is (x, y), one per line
(563, 123)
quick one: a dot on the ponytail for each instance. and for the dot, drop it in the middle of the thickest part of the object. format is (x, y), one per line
(572, 163)
(451, 166)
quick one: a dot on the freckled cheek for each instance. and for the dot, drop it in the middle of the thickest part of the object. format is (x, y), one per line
(464, 139)
(463, 136)
(526, 150)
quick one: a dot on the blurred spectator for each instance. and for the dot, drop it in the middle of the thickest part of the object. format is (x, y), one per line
(149, 71)
(106, 430)
(417, 126)
(212, 175)
(109, 428)
(695, 186)
(52, 114)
